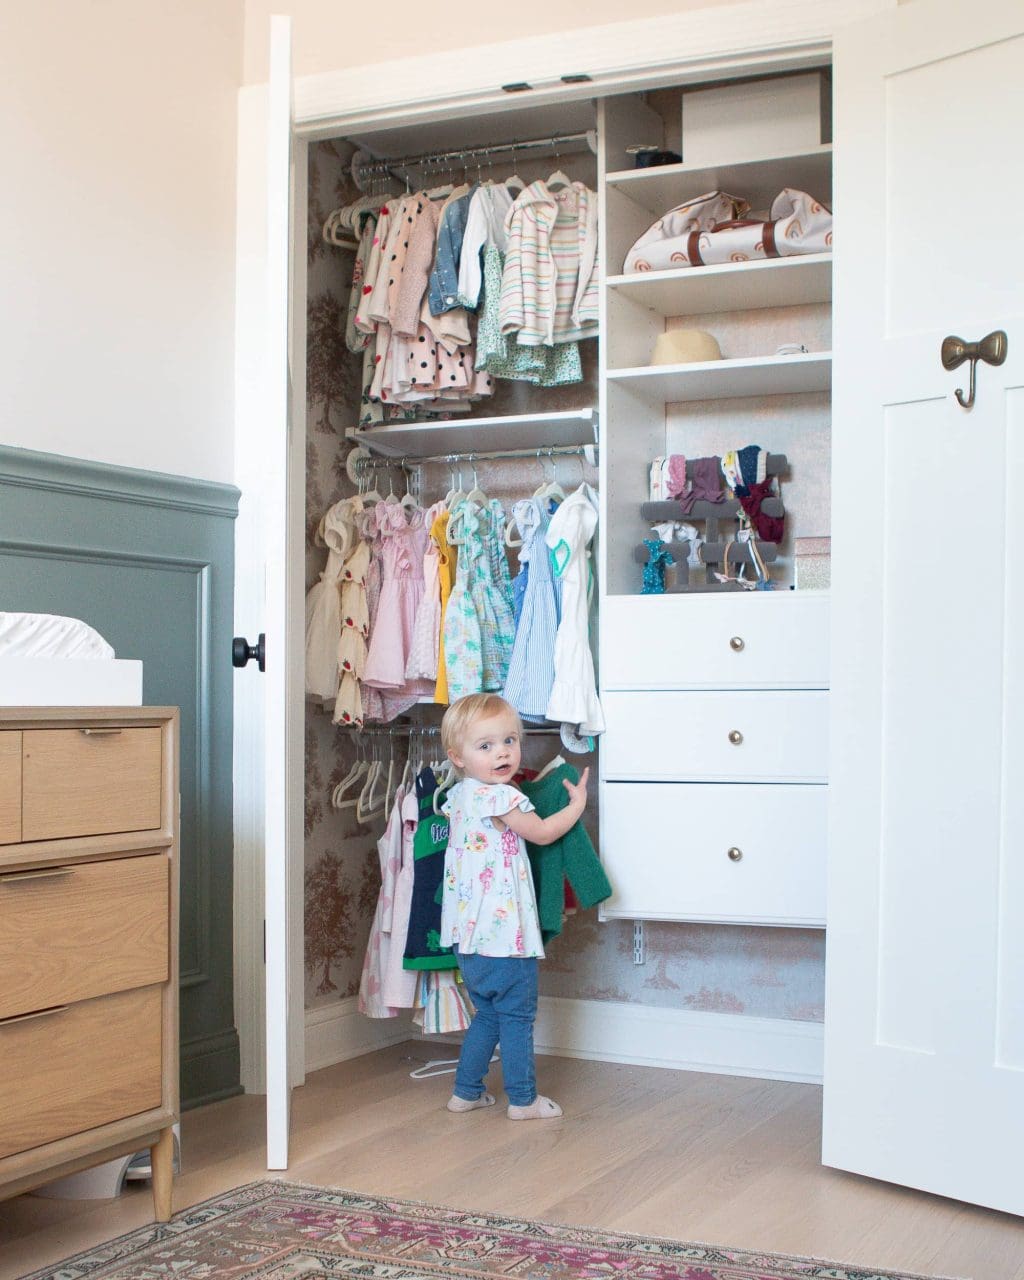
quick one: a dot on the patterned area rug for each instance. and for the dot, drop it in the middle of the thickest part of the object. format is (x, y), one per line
(286, 1231)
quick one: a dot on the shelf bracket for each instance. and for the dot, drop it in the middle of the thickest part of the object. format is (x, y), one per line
(639, 943)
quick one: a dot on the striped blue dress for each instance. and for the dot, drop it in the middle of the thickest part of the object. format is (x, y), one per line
(532, 666)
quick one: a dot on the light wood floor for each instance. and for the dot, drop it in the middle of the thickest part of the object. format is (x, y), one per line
(694, 1157)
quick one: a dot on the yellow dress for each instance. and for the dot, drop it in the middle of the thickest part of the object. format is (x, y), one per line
(446, 562)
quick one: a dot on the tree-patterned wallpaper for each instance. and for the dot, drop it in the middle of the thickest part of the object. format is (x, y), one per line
(775, 973)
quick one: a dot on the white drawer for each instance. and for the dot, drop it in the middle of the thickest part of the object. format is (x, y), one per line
(716, 737)
(756, 640)
(666, 851)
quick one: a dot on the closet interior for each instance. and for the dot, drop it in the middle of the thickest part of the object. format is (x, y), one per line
(706, 632)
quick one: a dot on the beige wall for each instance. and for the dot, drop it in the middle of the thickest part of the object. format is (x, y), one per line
(332, 34)
(118, 225)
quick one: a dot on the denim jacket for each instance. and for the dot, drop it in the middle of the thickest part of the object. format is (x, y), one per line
(444, 278)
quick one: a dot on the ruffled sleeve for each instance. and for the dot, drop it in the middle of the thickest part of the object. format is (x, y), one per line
(480, 801)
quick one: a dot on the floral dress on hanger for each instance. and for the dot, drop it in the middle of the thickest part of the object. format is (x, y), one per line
(493, 598)
(462, 639)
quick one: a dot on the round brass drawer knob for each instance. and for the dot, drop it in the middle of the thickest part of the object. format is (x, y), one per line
(736, 643)
(735, 737)
(735, 854)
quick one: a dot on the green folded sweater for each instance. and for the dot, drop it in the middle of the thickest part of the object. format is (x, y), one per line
(571, 858)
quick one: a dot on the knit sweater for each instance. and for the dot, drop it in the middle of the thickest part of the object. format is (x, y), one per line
(571, 858)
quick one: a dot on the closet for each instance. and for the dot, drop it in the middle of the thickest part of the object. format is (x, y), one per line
(715, 697)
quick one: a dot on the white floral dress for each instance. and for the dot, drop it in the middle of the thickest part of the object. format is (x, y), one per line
(488, 904)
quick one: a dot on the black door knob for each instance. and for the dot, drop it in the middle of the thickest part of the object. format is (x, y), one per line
(242, 651)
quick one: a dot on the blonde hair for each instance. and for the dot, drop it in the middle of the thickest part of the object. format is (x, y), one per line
(465, 712)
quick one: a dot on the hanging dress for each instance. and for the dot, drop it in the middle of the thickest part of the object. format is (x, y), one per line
(447, 557)
(574, 699)
(378, 946)
(403, 542)
(323, 604)
(462, 638)
(493, 598)
(398, 985)
(532, 666)
(423, 653)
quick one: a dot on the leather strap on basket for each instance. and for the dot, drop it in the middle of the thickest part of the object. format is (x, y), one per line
(693, 253)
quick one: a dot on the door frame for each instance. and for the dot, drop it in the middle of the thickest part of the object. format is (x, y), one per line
(722, 42)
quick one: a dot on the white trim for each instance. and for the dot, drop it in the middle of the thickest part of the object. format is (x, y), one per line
(698, 44)
(337, 1032)
(649, 1036)
(607, 1031)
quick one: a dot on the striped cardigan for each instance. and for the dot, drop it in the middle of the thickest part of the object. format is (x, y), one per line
(549, 284)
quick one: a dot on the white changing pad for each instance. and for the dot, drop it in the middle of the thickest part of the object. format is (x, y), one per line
(47, 635)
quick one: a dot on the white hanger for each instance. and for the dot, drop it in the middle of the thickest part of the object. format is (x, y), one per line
(515, 181)
(550, 488)
(354, 774)
(454, 496)
(476, 494)
(408, 501)
(443, 783)
(558, 178)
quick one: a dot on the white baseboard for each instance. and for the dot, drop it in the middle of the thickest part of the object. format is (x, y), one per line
(337, 1032)
(720, 1043)
(609, 1031)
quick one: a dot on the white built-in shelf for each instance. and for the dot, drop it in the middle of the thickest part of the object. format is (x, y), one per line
(723, 379)
(730, 286)
(759, 181)
(511, 433)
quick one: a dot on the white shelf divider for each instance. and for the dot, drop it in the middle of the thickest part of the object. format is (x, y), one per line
(662, 187)
(512, 433)
(731, 286)
(659, 385)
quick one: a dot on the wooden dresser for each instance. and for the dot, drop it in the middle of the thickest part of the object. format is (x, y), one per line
(88, 941)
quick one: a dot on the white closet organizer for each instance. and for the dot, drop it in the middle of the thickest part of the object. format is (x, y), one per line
(713, 796)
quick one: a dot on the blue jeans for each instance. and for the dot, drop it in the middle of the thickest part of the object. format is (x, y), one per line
(504, 991)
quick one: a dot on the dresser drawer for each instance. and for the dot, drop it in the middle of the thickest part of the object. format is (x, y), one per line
(84, 782)
(10, 786)
(79, 1067)
(70, 933)
(716, 737)
(761, 640)
(666, 851)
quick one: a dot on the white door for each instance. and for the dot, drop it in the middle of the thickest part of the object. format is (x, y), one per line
(269, 598)
(924, 1066)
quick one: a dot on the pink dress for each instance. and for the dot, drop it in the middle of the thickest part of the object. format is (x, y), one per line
(399, 984)
(403, 544)
(371, 983)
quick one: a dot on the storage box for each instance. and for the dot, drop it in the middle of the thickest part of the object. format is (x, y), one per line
(749, 118)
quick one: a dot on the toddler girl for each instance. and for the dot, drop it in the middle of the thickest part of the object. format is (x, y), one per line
(488, 908)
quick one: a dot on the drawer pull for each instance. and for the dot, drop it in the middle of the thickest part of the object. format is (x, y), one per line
(44, 873)
(735, 737)
(736, 644)
(734, 854)
(27, 1017)
(100, 733)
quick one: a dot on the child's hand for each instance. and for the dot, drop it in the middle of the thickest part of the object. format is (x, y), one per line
(577, 792)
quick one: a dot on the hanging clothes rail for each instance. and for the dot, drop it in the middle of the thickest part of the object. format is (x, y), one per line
(429, 730)
(365, 465)
(379, 167)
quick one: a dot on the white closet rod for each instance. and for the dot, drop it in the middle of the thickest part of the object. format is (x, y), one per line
(380, 167)
(428, 731)
(587, 451)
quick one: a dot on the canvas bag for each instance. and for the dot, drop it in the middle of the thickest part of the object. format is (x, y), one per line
(695, 234)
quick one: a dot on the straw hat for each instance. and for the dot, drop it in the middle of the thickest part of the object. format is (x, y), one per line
(684, 346)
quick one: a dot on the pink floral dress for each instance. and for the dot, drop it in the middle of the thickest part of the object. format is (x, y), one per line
(488, 905)
(403, 536)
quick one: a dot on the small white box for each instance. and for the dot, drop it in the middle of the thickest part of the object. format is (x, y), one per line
(745, 119)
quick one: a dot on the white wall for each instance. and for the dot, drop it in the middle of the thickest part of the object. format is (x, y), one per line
(117, 224)
(330, 35)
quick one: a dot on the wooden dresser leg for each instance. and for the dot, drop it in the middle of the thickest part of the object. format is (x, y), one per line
(162, 1158)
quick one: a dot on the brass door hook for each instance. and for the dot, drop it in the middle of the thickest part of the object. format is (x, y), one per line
(991, 349)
